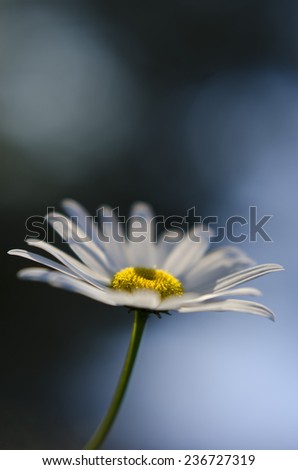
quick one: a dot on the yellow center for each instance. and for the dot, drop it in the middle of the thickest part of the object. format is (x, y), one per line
(147, 278)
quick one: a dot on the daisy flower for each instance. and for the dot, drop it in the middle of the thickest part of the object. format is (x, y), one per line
(156, 277)
(145, 276)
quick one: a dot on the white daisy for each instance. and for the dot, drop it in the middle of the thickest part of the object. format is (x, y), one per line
(156, 277)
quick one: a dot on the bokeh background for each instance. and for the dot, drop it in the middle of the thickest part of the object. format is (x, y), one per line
(178, 103)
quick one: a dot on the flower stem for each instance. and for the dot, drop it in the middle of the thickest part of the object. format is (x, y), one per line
(98, 437)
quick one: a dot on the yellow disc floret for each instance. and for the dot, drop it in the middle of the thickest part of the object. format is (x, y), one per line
(129, 279)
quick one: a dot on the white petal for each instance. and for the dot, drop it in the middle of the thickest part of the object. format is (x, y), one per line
(142, 250)
(167, 241)
(34, 274)
(113, 228)
(142, 209)
(42, 260)
(83, 218)
(215, 265)
(187, 252)
(63, 281)
(79, 269)
(246, 275)
(140, 298)
(175, 302)
(115, 245)
(231, 305)
(213, 295)
(80, 243)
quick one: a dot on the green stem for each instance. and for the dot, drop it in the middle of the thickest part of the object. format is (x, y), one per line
(104, 427)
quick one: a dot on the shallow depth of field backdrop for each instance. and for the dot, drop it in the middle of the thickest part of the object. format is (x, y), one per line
(179, 103)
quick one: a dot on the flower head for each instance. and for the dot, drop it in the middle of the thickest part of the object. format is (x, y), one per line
(156, 277)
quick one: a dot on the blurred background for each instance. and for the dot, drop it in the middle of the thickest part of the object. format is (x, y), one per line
(181, 104)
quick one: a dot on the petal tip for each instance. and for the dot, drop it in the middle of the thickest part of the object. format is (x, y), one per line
(22, 273)
(279, 267)
(274, 266)
(67, 200)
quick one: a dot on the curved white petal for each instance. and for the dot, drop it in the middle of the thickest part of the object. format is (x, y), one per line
(175, 302)
(142, 209)
(167, 241)
(231, 305)
(216, 264)
(188, 252)
(91, 255)
(109, 238)
(84, 220)
(42, 260)
(141, 249)
(63, 281)
(213, 295)
(114, 241)
(246, 275)
(140, 298)
(79, 269)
